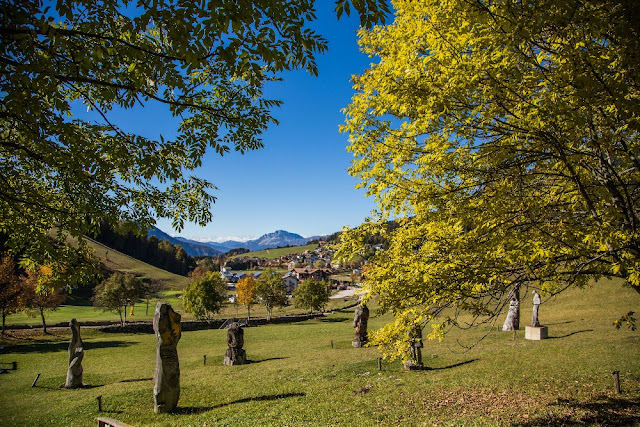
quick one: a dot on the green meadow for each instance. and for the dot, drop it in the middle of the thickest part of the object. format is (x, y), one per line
(308, 373)
(277, 252)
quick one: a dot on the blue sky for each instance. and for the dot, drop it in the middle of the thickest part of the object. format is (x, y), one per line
(298, 182)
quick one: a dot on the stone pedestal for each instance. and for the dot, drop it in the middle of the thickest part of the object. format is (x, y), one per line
(410, 365)
(235, 357)
(536, 333)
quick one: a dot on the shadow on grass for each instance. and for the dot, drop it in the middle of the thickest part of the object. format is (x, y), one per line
(62, 387)
(333, 319)
(568, 335)
(559, 323)
(135, 380)
(190, 410)
(600, 410)
(47, 347)
(455, 365)
(265, 360)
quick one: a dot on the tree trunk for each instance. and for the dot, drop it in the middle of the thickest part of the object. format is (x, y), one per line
(44, 324)
(125, 313)
(268, 314)
(248, 314)
(4, 318)
(120, 313)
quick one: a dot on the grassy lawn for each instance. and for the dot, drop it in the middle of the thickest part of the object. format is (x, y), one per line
(81, 309)
(297, 378)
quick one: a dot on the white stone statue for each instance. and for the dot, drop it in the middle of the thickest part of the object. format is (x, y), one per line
(536, 303)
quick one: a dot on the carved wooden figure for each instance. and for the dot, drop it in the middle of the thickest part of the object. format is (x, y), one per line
(360, 320)
(235, 354)
(166, 391)
(76, 354)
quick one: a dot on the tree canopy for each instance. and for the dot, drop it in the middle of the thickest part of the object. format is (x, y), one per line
(117, 292)
(10, 288)
(271, 291)
(311, 295)
(204, 297)
(246, 293)
(503, 137)
(206, 63)
(39, 296)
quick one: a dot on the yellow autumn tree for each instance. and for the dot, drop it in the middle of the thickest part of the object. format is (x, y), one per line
(247, 293)
(40, 293)
(503, 138)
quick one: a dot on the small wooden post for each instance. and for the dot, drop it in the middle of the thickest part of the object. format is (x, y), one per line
(99, 399)
(33, 384)
(616, 381)
(204, 360)
(379, 363)
(331, 343)
(14, 366)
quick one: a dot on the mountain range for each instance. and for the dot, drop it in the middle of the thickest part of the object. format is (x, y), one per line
(271, 240)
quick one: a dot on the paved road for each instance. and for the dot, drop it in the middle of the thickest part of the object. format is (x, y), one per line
(343, 294)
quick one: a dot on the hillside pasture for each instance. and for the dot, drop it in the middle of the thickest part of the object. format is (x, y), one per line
(117, 261)
(308, 373)
(278, 252)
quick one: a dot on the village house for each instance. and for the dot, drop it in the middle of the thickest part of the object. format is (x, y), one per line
(313, 273)
(291, 282)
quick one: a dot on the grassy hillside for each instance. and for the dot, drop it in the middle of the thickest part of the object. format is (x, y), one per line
(296, 377)
(79, 306)
(117, 261)
(278, 252)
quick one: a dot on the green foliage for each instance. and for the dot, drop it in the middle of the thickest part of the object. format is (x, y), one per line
(503, 137)
(371, 11)
(204, 297)
(204, 63)
(311, 295)
(10, 288)
(628, 319)
(117, 292)
(271, 291)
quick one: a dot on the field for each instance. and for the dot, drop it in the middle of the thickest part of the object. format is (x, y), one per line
(297, 377)
(277, 252)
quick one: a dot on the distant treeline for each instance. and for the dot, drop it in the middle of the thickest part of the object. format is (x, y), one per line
(159, 253)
